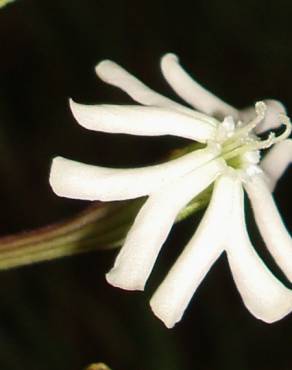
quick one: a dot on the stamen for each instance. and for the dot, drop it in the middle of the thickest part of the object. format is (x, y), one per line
(225, 130)
(241, 142)
(285, 121)
(264, 144)
(241, 133)
(230, 152)
(260, 109)
(273, 139)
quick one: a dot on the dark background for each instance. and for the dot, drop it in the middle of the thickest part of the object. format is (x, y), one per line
(62, 315)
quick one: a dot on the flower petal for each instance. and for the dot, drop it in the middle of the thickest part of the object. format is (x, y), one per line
(152, 226)
(191, 91)
(276, 161)
(173, 295)
(262, 293)
(270, 224)
(77, 180)
(139, 120)
(272, 117)
(115, 75)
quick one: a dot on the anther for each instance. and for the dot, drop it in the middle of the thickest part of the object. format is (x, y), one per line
(260, 108)
(243, 130)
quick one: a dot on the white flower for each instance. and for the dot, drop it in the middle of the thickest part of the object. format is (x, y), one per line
(229, 159)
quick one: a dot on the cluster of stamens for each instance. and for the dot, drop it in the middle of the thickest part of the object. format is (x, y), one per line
(238, 139)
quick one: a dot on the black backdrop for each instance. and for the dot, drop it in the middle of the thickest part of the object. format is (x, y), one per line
(62, 315)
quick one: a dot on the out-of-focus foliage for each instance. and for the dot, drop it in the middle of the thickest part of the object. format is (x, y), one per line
(99, 366)
(5, 2)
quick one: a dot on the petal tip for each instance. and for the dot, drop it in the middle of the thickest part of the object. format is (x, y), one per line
(103, 68)
(162, 314)
(56, 175)
(275, 314)
(276, 105)
(123, 281)
(72, 104)
(75, 108)
(82, 114)
(170, 57)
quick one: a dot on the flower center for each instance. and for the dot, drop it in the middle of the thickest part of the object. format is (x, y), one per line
(240, 146)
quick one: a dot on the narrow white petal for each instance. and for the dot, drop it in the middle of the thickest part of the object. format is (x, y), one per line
(276, 161)
(191, 91)
(173, 295)
(262, 293)
(115, 75)
(270, 224)
(139, 120)
(152, 226)
(77, 180)
(272, 118)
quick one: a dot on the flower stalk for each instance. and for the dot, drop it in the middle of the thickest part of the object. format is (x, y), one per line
(101, 226)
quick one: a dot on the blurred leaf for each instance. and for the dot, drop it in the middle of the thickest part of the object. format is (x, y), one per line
(99, 366)
(5, 2)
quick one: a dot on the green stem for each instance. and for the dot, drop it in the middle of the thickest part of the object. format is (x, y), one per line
(101, 226)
